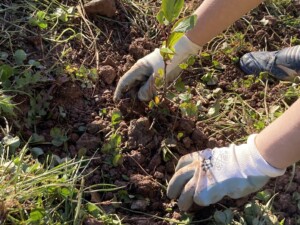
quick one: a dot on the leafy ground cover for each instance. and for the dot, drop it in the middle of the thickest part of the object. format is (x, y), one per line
(70, 155)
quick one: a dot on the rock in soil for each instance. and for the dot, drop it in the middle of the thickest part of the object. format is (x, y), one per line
(140, 205)
(101, 7)
(107, 74)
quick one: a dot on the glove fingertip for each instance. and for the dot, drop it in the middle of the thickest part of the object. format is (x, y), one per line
(116, 97)
(171, 194)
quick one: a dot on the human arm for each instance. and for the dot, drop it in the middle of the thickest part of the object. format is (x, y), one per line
(238, 170)
(279, 143)
(213, 16)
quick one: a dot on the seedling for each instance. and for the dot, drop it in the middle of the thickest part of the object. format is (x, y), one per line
(167, 16)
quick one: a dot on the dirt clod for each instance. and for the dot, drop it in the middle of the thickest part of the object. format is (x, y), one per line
(137, 48)
(144, 185)
(107, 74)
(88, 141)
(139, 133)
(101, 7)
(199, 138)
(186, 125)
(140, 205)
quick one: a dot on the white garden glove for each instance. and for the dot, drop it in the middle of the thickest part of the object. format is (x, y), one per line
(205, 177)
(145, 70)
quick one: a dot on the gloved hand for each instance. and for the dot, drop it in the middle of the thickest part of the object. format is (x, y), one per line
(145, 70)
(205, 177)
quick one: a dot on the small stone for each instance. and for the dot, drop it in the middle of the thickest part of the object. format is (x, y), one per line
(212, 143)
(187, 142)
(101, 7)
(140, 205)
(107, 74)
(158, 175)
(92, 128)
(199, 137)
(186, 126)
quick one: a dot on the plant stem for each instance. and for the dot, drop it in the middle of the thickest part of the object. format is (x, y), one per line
(165, 79)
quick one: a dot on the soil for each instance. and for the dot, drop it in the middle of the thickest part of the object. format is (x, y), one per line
(143, 169)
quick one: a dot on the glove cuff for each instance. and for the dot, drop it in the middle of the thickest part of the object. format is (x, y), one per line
(261, 164)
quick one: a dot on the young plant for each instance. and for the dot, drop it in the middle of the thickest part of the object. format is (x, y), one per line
(112, 145)
(168, 16)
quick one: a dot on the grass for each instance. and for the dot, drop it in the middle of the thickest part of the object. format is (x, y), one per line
(40, 188)
(45, 193)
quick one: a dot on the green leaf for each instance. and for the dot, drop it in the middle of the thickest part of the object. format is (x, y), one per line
(58, 137)
(6, 105)
(214, 110)
(160, 17)
(205, 55)
(66, 192)
(210, 78)
(151, 104)
(173, 39)
(185, 24)
(180, 86)
(37, 138)
(35, 63)
(6, 71)
(183, 66)
(36, 152)
(172, 9)
(12, 142)
(264, 196)
(188, 109)
(61, 15)
(41, 15)
(223, 217)
(39, 20)
(166, 53)
(115, 140)
(180, 135)
(165, 50)
(185, 97)
(93, 209)
(116, 118)
(36, 215)
(19, 56)
(113, 144)
(117, 159)
(191, 60)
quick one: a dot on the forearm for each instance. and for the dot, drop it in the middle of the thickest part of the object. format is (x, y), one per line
(279, 143)
(214, 16)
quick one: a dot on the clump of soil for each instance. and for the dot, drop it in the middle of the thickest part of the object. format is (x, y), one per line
(101, 7)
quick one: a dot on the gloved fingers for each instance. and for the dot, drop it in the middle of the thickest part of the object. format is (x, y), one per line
(179, 180)
(195, 156)
(186, 198)
(138, 74)
(188, 159)
(148, 90)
